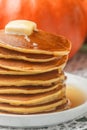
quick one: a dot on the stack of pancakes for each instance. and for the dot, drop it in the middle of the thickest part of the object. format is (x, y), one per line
(31, 73)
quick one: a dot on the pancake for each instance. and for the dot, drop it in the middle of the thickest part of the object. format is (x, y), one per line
(31, 71)
(11, 54)
(28, 89)
(39, 79)
(40, 43)
(4, 71)
(35, 67)
(48, 107)
(59, 108)
(33, 99)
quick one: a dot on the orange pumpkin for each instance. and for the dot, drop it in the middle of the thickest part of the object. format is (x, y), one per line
(61, 17)
(84, 4)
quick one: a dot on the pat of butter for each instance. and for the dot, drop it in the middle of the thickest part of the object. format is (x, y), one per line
(20, 27)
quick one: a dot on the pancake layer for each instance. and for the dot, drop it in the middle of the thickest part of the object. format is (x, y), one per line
(7, 53)
(19, 65)
(50, 107)
(40, 43)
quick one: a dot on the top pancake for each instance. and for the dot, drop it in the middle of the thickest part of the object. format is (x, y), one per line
(39, 42)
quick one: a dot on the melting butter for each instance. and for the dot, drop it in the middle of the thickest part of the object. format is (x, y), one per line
(20, 27)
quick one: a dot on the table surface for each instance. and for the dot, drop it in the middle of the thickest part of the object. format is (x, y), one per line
(77, 63)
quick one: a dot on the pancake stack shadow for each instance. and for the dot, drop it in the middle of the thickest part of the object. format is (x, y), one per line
(32, 79)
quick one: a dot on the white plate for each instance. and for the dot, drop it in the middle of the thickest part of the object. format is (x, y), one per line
(42, 120)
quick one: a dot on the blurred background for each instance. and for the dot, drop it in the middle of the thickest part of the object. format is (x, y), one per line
(60, 17)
